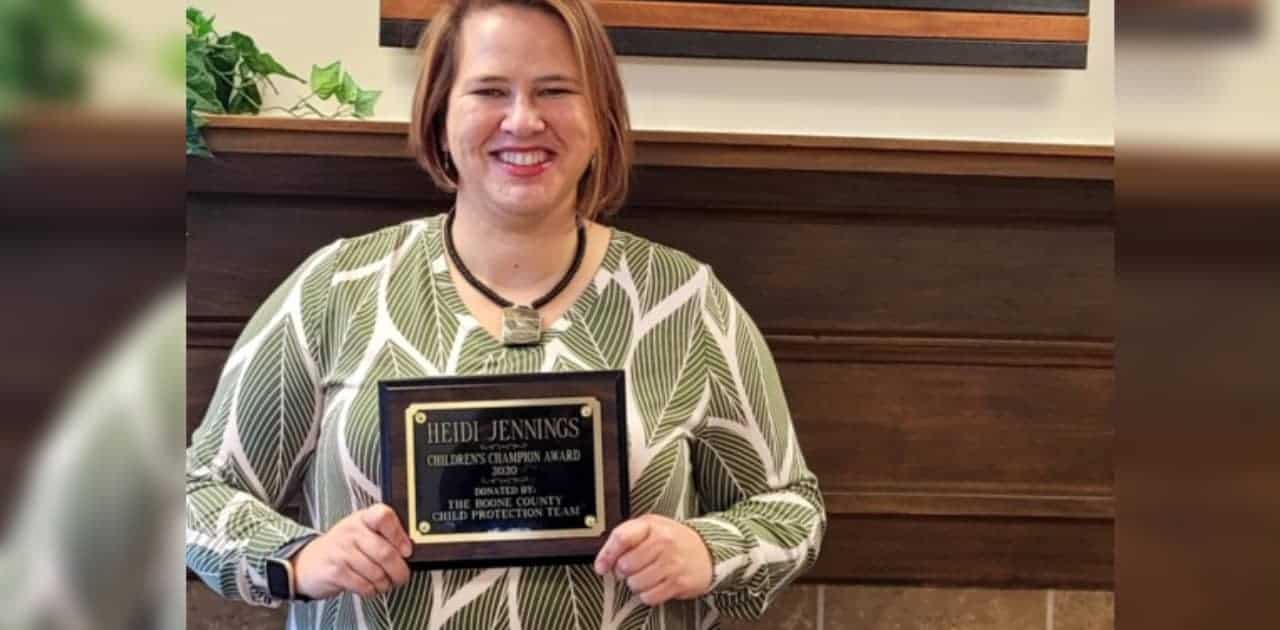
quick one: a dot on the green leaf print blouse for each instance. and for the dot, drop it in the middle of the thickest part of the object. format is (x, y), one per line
(710, 437)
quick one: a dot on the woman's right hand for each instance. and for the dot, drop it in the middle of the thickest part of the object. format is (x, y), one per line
(363, 554)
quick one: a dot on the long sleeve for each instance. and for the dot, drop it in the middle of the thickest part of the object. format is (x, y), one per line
(763, 516)
(256, 440)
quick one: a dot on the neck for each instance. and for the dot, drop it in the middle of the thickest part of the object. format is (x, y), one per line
(518, 257)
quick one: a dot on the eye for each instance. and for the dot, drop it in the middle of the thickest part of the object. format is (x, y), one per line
(489, 92)
(556, 91)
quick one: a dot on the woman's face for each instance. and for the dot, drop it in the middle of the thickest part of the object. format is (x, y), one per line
(519, 125)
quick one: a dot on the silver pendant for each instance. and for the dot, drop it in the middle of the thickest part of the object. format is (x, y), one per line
(521, 326)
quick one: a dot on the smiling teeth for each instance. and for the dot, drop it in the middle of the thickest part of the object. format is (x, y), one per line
(522, 158)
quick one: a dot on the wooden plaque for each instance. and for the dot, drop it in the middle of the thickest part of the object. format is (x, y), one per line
(505, 470)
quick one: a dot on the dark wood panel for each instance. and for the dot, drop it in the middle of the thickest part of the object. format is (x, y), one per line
(942, 350)
(312, 176)
(957, 502)
(813, 20)
(769, 191)
(967, 551)
(957, 429)
(204, 364)
(858, 195)
(762, 18)
(921, 279)
(849, 48)
(810, 277)
(240, 248)
(869, 157)
(785, 141)
(651, 42)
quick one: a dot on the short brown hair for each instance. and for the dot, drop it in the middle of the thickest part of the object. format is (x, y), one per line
(603, 186)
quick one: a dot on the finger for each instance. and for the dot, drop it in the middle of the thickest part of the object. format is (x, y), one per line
(659, 594)
(653, 575)
(382, 519)
(638, 558)
(353, 582)
(367, 568)
(387, 558)
(623, 538)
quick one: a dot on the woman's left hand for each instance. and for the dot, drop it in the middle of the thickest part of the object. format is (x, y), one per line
(661, 559)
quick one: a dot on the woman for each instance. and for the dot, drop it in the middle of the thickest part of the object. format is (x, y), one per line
(520, 111)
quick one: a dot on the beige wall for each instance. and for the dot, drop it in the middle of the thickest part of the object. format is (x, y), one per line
(861, 100)
(1210, 92)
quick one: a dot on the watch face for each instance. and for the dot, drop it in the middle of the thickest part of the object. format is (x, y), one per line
(278, 582)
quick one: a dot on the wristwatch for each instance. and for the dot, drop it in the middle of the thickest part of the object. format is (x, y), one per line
(280, 578)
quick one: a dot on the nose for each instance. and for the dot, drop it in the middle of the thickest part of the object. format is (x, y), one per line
(523, 119)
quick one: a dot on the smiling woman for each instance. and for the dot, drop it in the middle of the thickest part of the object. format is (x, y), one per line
(518, 128)
(494, 63)
(519, 111)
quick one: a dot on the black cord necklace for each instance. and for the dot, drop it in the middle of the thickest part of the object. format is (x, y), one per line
(521, 325)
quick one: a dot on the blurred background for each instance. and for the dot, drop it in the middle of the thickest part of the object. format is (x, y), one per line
(91, 255)
(1198, 241)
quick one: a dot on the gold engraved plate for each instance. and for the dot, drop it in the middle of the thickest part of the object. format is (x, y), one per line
(459, 488)
(521, 326)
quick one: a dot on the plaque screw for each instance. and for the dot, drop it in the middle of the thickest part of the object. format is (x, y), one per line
(424, 527)
(420, 417)
(586, 411)
(590, 521)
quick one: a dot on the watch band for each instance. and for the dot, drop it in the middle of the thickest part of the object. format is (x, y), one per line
(281, 581)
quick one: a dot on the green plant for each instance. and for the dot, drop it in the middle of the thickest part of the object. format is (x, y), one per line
(226, 74)
(47, 51)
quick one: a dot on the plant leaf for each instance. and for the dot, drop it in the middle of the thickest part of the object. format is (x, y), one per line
(222, 61)
(265, 64)
(242, 43)
(201, 87)
(198, 23)
(223, 54)
(196, 147)
(204, 102)
(348, 90)
(197, 47)
(326, 80)
(195, 139)
(365, 101)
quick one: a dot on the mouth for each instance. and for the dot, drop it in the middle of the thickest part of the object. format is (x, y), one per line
(523, 162)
